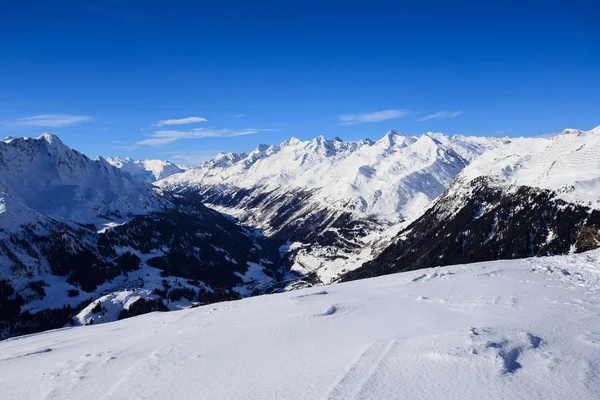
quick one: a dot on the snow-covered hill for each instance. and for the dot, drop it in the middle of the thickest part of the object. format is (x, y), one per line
(330, 198)
(529, 197)
(148, 170)
(73, 230)
(524, 329)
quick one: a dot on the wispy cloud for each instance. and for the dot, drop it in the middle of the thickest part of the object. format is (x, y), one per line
(378, 116)
(162, 137)
(182, 121)
(53, 120)
(441, 114)
(239, 116)
(190, 158)
(503, 131)
(546, 135)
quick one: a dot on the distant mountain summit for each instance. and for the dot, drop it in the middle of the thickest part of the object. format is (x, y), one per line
(148, 170)
(44, 176)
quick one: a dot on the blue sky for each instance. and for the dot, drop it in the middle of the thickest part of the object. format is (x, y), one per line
(120, 77)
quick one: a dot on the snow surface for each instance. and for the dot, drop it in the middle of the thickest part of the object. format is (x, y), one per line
(522, 329)
(568, 163)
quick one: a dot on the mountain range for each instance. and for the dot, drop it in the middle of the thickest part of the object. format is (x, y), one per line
(86, 241)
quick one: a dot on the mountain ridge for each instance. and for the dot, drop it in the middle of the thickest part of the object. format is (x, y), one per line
(530, 197)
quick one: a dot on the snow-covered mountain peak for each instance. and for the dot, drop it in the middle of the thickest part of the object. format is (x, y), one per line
(51, 138)
(384, 177)
(44, 175)
(224, 160)
(568, 163)
(148, 170)
(570, 131)
(292, 141)
(261, 148)
(395, 139)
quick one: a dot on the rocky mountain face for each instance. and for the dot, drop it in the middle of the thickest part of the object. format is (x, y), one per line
(530, 197)
(329, 198)
(74, 229)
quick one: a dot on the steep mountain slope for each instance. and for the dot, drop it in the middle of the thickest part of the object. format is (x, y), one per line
(328, 197)
(530, 197)
(148, 170)
(73, 229)
(522, 329)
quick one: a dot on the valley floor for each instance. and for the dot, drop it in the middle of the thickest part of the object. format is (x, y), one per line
(523, 329)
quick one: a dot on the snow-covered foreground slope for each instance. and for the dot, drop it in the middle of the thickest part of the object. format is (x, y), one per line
(523, 329)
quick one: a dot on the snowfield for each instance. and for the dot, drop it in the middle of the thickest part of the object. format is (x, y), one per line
(522, 329)
(568, 163)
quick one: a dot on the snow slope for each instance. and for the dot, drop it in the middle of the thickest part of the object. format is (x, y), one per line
(523, 329)
(568, 163)
(148, 170)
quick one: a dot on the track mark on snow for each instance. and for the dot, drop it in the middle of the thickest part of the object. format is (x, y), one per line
(433, 275)
(331, 310)
(74, 371)
(507, 349)
(32, 353)
(363, 368)
(321, 293)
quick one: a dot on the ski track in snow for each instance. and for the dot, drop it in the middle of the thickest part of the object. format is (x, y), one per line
(361, 370)
(526, 329)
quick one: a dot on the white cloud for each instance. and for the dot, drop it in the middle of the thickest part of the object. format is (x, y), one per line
(378, 116)
(53, 120)
(240, 116)
(546, 135)
(162, 137)
(190, 158)
(441, 114)
(182, 121)
(503, 131)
